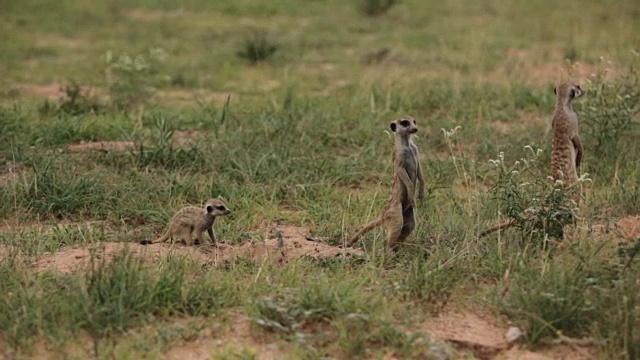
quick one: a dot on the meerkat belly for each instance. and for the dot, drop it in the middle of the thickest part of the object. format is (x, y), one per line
(411, 167)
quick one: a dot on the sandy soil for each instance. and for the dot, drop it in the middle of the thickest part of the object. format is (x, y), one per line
(294, 246)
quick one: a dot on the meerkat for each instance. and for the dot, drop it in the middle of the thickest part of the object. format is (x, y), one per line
(567, 151)
(398, 216)
(193, 218)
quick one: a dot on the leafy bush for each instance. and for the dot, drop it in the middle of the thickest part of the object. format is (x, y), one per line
(257, 47)
(130, 79)
(74, 102)
(530, 199)
(609, 111)
(376, 7)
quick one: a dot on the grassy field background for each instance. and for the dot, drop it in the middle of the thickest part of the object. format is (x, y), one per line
(114, 115)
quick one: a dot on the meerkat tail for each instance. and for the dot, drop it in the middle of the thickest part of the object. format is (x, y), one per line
(496, 228)
(161, 239)
(365, 229)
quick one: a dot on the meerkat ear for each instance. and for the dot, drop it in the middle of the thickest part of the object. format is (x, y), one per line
(393, 126)
(572, 93)
(555, 91)
(209, 208)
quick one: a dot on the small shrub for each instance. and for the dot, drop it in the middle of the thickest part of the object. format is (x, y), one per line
(163, 152)
(537, 205)
(375, 7)
(257, 47)
(77, 102)
(609, 111)
(74, 102)
(130, 79)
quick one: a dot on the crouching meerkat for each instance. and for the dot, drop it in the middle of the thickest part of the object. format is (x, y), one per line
(567, 151)
(398, 216)
(194, 219)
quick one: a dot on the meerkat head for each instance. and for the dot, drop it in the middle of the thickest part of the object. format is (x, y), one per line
(404, 125)
(216, 207)
(567, 92)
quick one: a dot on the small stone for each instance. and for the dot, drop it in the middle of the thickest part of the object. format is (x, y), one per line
(513, 334)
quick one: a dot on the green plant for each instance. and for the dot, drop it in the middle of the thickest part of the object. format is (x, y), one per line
(130, 79)
(162, 150)
(375, 7)
(427, 285)
(609, 112)
(257, 47)
(552, 303)
(530, 199)
(74, 102)
(54, 189)
(576, 294)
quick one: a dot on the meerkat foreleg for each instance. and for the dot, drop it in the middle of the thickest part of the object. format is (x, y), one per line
(406, 180)
(422, 183)
(577, 144)
(212, 236)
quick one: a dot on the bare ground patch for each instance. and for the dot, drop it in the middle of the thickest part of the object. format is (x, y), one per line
(485, 335)
(192, 96)
(523, 123)
(102, 146)
(293, 245)
(55, 91)
(234, 339)
(8, 176)
(152, 15)
(555, 68)
(627, 228)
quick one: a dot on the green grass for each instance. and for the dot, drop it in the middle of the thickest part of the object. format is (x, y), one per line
(300, 135)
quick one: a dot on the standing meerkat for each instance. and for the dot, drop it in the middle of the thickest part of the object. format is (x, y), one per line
(194, 218)
(398, 216)
(567, 151)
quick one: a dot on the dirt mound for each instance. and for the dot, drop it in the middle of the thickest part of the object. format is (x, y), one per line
(484, 335)
(626, 227)
(54, 91)
(629, 227)
(103, 146)
(292, 246)
(236, 339)
(193, 96)
(480, 332)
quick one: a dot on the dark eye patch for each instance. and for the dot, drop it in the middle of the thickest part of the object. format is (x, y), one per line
(220, 207)
(404, 123)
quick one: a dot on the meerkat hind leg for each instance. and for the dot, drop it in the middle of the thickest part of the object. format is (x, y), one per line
(185, 235)
(394, 224)
(408, 223)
